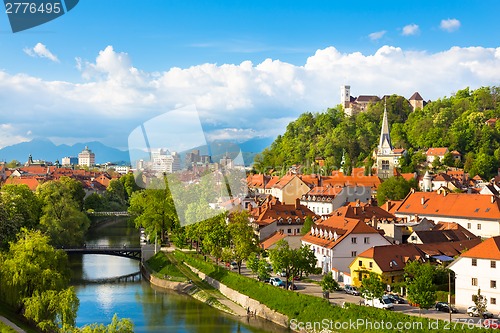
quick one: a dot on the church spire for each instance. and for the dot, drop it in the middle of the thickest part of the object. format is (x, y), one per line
(384, 145)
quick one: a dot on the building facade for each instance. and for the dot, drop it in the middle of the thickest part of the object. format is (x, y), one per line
(86, 158)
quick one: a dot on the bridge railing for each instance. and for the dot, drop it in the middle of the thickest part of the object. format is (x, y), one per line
(124, 213)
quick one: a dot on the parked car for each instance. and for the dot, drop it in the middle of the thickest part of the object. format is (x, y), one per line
(380, 303)
(472, 312)
(396, 299)
(233, 265)
(351, 290)
(266, 280)
(282, 274)
(276, 281)
(491, 323)
(292, 286)
(445, 307)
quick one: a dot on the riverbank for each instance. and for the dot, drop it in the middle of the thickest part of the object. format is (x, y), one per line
(192, 286)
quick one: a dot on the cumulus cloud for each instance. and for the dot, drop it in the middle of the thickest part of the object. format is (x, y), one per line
(450, 25)
(10, 135)
(40, 50)
(410, 29)
(235, 101)
(377, 35)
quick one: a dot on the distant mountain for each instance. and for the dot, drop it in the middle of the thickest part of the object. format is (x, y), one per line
(44, 149)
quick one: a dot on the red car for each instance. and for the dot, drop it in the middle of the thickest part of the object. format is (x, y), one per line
(492, 323)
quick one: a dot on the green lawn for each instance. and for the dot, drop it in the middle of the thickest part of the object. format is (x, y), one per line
(163, 268)
(301, 308)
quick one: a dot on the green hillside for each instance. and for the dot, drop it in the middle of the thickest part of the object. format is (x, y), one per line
(457, 122)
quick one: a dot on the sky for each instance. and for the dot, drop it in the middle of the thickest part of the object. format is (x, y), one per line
(248, 67)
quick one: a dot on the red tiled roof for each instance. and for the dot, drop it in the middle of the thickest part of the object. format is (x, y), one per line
(273, 239)
(416, 97)
(361, 210)
(451, 204)
(31, 182)
(489, 249)
(436, 151)
(339, 179)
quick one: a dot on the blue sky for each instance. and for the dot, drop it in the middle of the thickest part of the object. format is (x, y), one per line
(249, 67)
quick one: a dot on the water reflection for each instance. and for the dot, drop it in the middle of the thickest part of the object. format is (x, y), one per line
(151, 309)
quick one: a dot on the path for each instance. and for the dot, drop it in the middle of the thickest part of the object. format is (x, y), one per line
(11, 324)
(236, 308)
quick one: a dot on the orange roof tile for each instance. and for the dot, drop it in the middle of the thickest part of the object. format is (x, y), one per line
(273, 239)
(31, 182)
(489, 249)
(436, 151)
(450, 205)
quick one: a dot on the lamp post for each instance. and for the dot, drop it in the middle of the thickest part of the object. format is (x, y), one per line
(449, 293)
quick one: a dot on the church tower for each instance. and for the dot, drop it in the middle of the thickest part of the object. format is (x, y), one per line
(385, 154)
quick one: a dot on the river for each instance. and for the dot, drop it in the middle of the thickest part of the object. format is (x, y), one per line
(151, 309)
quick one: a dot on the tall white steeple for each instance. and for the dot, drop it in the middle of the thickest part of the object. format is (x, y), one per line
(384, 145)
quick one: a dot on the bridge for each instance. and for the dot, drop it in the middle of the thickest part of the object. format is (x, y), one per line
(124, 213)
(120, 251)
(132, 277)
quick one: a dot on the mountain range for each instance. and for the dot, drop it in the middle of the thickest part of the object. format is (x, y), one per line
(44, 149)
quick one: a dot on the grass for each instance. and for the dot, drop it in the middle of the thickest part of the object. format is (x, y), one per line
(310, 309)
(164, 268)
(7, 312)
(6, 329)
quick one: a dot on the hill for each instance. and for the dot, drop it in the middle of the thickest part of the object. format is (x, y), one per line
(458, 122)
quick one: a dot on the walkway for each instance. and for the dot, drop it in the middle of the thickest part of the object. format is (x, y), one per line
(11, 324)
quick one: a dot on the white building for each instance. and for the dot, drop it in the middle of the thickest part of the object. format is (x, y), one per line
(323, 200)
(164, 161)
(86, 158)
(337, 241)
(479, 268)
(69, 161)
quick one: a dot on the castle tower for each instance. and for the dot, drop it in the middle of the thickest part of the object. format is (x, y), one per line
(345, 99)
(385, 155)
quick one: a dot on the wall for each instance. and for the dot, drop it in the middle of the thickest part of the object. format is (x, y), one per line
(246, 302)
(178, 286)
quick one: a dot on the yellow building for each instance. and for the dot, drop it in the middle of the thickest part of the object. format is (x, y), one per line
(289, 188)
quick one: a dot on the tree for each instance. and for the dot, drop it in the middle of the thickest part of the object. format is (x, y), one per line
(13, 164)
(448, 160)
(117, 325)
(394, 188)
(480, 301)
(328, 283)
(62, 218)
(130, 184)
(243, 239)
(216, 235)
(253, 262)
(263, 270)
(34, 278)
(20, 200)
(116, 195)
(419, 277)
(308, 223)
(372, 286)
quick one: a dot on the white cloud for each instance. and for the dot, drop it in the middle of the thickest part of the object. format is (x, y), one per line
(410, 29)
(237, 101)
(9, 135)
(450, 25)
(377, 35)
(40, 50)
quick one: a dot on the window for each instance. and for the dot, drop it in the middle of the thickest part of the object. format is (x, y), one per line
(360, 263)
(493, 284)
(474, 281)
(479, 226)
(493, 301)
(474, 262)
(367, 240)
(413, 238)
(289, 231)
(385, 165)
(371, 264)
(353, 240)
(469, 226)
(353, 254)
(493, 264)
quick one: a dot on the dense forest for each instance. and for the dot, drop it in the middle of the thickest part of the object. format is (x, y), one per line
(457, 122)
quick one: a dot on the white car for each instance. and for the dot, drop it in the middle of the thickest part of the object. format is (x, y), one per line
(380, 303)
(472, 312)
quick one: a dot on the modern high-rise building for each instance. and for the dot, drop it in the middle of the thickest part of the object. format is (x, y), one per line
(86, 157)
(164, 161)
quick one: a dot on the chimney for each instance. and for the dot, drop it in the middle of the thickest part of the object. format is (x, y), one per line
(374, 222)
(297, 203)
(422, 201)
(444, 193)
(492, 199)
(416, 217)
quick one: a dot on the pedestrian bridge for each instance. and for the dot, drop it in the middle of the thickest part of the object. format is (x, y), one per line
(124, 213)
(120, 251)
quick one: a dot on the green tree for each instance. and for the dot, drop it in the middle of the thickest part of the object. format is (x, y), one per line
(419, 277)
(372, 286)
(13, 164)
(95, 202)
(20, 200)
(62, 218)
(215, 235)
(130, 184)
(308, 223)
(480, 302)
(243, 239)
(448, 160)
(116, 195)
(117, 325)
(263, 270)
(394, 188)
(328, 283)
(253, 262)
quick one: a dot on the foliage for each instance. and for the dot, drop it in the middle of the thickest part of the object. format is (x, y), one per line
(480, 301)
(160, 264)
(243, 239)
(456, 122)
(62, 217)
(419, 277)
(252, 262)
(293, 262)
(117, 325)
(372, 286)
(394, 188)
(328, 283)
(35, 279)
(263, 270)
(306, 308)
(308, 223)
(215, 235)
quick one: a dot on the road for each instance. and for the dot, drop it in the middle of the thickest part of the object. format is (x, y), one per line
(340, 297)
